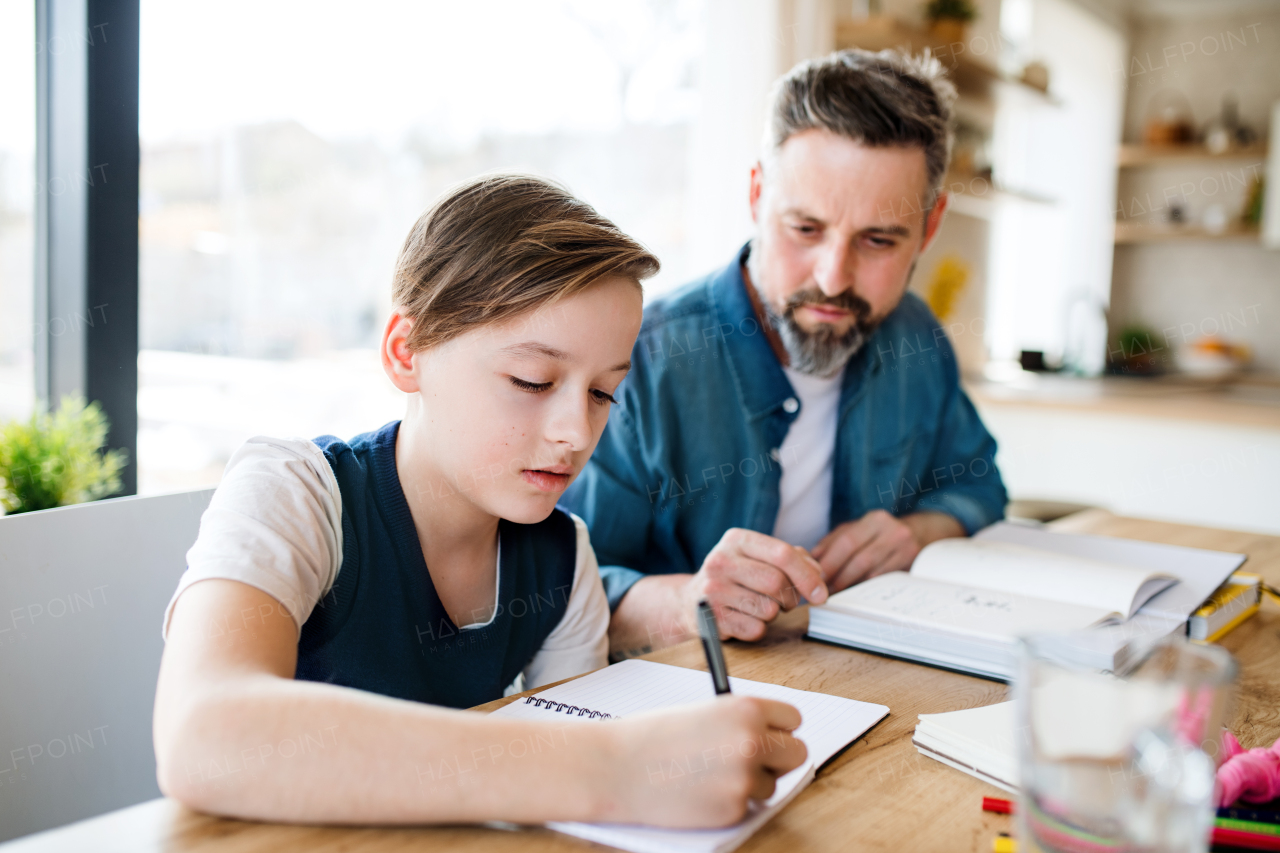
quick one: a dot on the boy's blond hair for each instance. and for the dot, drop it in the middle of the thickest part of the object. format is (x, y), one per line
(497, 246)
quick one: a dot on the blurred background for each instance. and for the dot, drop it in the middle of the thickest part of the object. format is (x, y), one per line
(1108, 272)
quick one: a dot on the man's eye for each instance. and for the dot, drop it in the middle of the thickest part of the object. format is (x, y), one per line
(532, 387)
(881, 243)
(602, 397)
(806, 230)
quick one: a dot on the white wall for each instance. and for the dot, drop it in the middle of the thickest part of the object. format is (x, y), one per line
(1052, 262)
(737, 68)
(750, 43)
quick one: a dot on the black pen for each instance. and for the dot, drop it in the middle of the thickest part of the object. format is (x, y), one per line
(710, 633)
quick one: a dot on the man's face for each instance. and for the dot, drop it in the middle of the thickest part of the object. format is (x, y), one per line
(839, 227)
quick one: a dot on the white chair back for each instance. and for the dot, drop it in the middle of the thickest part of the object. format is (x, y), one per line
(82, 593)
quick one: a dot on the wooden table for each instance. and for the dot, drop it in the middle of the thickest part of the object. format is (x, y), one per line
(880, 794)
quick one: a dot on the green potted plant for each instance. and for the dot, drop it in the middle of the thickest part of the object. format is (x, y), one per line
(57, 459)
(948, 18)
(1141, 352)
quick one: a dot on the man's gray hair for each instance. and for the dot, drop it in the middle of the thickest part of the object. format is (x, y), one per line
(885, 99)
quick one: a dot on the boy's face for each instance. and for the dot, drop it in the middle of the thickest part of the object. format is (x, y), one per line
(513, 411)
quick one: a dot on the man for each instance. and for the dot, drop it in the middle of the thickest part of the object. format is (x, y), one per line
(793, 423)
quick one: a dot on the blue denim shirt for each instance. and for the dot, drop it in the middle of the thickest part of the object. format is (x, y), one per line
(691, 449)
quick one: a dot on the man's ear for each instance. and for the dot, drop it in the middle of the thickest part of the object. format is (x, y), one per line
(757, 187)
(934, 222)
(397, 358)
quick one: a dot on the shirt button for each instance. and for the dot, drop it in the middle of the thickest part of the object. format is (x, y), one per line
(790, 405)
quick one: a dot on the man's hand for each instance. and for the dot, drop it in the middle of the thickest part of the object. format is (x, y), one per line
(749, 578)
(878, 543)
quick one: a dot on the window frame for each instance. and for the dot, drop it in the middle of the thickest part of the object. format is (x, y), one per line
(86, 229)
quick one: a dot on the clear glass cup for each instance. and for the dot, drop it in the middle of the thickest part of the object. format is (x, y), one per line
(1112, 765)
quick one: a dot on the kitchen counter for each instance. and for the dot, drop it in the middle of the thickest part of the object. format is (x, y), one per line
(1252, 401)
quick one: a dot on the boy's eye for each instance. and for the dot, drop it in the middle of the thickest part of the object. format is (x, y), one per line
(602, 397)
(598, 396)
(532, 387)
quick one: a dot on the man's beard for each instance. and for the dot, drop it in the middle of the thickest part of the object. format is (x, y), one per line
(824, 351)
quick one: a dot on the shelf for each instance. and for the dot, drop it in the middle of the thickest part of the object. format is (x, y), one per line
(974, 206)
(979, 196)
(1136, 156)
(1024, 195)
(1137, 232)
(973, 77)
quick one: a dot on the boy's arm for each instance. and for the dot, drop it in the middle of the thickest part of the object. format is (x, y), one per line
(236, 735)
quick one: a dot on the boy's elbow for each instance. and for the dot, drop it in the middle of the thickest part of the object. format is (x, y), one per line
(173, 786)
(183, 743)
(178, 774)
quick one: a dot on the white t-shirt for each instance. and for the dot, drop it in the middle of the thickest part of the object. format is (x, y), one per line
(275, 523)
(806, 456)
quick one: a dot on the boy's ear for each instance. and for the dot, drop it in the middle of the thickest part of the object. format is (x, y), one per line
(397, 358)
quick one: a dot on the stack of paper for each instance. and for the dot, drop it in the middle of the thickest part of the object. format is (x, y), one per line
(978, 741)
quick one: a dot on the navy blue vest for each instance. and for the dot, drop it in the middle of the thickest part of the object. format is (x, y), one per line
(382, 627)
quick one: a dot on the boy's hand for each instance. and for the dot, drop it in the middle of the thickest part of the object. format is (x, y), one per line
(699, 767)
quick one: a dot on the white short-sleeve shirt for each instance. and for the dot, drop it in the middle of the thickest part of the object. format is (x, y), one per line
(275, 523)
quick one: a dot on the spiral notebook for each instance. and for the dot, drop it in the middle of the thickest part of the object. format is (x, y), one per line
(829, 724)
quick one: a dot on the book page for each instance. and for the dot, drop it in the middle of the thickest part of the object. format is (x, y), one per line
(1199, 571)
(632, 686)
(1114, 587)
(913, 607)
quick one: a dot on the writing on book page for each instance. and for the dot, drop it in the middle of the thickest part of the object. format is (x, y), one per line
(1019, 570)
(914, 603)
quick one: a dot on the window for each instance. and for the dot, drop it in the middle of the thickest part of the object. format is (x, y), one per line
(288, 147)
(17, 203)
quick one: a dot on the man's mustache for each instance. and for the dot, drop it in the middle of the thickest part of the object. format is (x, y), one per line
(845, 301)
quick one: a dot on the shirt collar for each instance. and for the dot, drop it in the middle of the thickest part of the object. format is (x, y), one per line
(762, 386)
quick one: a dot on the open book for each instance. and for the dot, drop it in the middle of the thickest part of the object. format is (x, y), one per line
(1110, 591)
(829, 724)
(965, 602)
